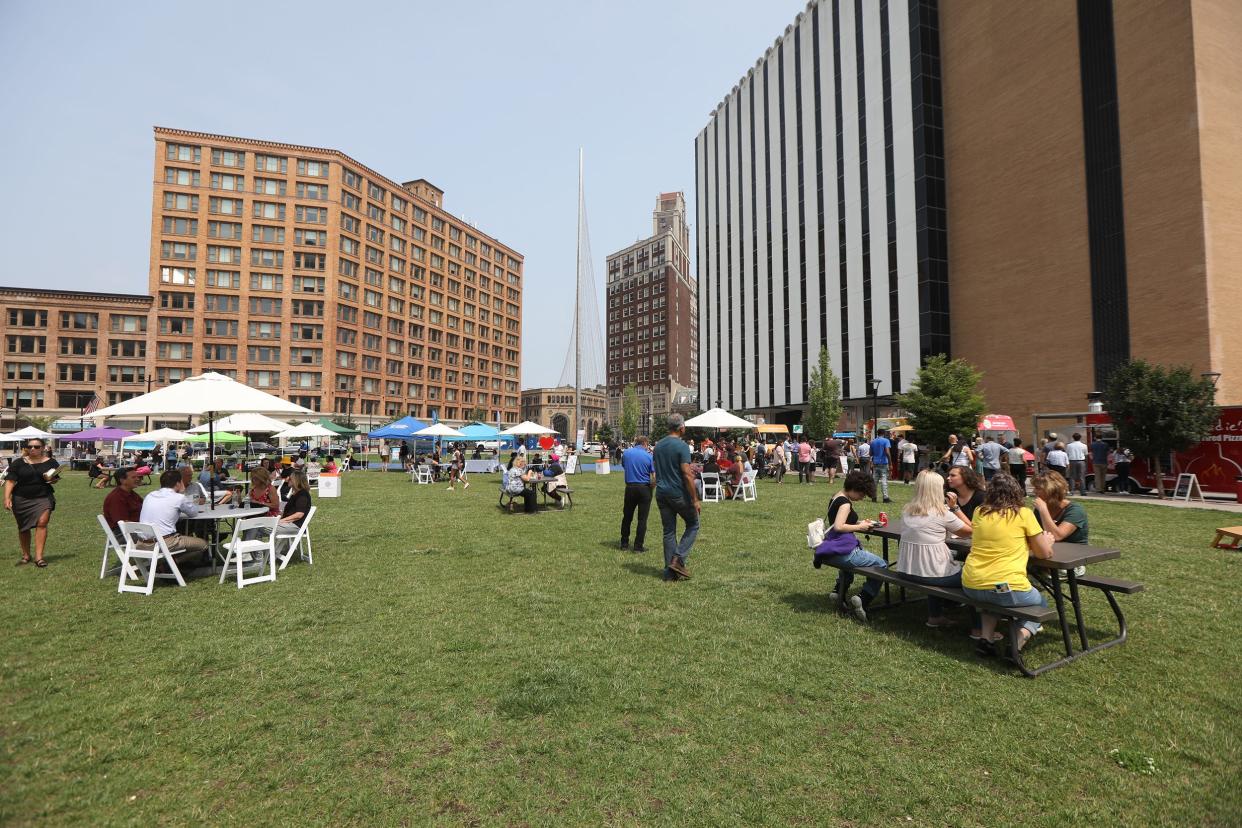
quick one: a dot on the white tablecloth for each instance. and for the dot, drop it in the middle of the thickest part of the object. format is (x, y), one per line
(482, 466)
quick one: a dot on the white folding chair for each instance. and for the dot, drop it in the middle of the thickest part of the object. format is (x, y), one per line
(312, 477)
(424, 475)
(133, 557)
(111, 545)
(262, 547)
(296, 541)
(711, 487)
(745, 490)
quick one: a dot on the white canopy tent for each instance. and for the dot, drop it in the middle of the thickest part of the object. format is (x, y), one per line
(205, 394)
(163, 436)
(438, 430)
(25, 434)
(719, 418)
(525, 429)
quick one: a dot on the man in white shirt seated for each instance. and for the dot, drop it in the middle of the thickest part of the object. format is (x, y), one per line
(163, 508)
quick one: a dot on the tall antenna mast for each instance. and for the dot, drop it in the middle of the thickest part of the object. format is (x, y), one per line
(578, 314)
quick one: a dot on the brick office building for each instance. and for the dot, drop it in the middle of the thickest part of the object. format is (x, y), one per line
(302, 272)
(1027, 188)
(653, 315)
(554, 408)
(63, 347)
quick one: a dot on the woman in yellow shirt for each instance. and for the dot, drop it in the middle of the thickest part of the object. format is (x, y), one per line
(1005, 535)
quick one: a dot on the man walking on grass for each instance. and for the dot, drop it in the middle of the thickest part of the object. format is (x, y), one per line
(880, 451)
(638, 470)
(676, 496)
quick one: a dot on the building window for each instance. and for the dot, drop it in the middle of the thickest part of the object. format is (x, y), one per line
(220, 353)
(22, 397)
(224, 279)
(316, 215)
(309, 261)
(178, 250)
(180, 226)
(264, 330)
(308, 284)
(313, 238)
(263, 379)
(305, 379)
(228, 158)
(222, 302)
(305, 356)
(127, 374)
(28, 318)
(223, 255)
(24, 370)
(177, 275)
(267, 258)
(126, 323)
(76, 373)
(315, 191)
(265, 306)
(180, 325)
(183, 152)
(174, 351)
(180, 201)
(228, 230)
(267, 234)
(174, 301)
(315, 169)
(351, 179)
(171, 376)
(270, 186)
(351, 201)
(271, 164)
(313, 333)
(228, 181)
(267, 281)
(269, 210)
(307, 307)
(221, 206)
(220, 327)
(184, 178)
(263, 354)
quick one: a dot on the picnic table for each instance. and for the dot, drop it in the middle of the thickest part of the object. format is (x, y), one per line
(223, 514)
(1049, 572)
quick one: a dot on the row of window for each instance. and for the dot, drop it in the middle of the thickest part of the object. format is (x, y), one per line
(263, 162)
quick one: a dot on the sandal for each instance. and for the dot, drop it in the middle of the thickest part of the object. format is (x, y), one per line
(24, 559)
(41, 563)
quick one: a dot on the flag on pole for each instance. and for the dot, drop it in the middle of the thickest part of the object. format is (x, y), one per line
(92, 405)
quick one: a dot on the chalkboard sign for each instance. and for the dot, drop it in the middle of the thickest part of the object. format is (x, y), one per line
(1187, 487)
(571, 464)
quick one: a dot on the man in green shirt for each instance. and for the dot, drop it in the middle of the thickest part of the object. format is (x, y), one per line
(676, 496)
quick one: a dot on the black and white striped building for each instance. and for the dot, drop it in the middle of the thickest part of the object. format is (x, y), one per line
(820, 211)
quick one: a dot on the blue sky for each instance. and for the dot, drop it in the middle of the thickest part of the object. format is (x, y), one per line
(490, 101)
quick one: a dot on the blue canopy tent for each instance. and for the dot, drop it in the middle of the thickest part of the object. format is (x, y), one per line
(478, 433)
(403, 429)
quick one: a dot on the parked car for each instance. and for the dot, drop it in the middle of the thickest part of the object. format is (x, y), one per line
(592, 448)
(261, 448)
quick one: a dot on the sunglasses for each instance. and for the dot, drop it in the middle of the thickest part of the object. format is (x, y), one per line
(34, 445)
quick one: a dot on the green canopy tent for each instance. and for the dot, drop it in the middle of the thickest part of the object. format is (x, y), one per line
(221, 437)
(338, 428)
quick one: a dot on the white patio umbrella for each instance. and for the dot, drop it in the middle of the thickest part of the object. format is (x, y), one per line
(163, 436)
(719, 418)
(25, 434)
(246, 422)
(302, 430)
(205, 394)
(525, 429)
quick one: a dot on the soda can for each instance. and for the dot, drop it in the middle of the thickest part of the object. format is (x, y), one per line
(884, 518)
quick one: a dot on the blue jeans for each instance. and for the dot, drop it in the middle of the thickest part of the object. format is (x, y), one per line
(672, 508)
(935, 606)
(1030, 598)
(881, 477)
(860, 557)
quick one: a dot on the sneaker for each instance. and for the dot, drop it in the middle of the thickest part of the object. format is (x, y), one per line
(888, 500)
(451, 489)
(678, 566)
(834, 599)
(855, 605)
(466, 484)
(986, 649)
(1079, 571)
(638, 549)
(625, 546)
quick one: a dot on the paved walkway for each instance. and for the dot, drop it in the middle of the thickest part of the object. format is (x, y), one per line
(1218, 505)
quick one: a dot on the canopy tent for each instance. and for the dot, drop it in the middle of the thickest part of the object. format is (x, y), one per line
(526, 428)
(248, 422)
(98, 433)
(773, 428)
(25, 434)
(220, 437)
(478, 433)
(901, 429)
(844, 435)
(304, 430)
(719, 418)
(438, 430)
(159, 435)
(337, 428)
(402, 429)
(203, 394)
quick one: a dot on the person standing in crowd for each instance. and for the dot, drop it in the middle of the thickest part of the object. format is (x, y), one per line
(965, 490)
(1076, 451)
(925, 557)
(908, 451)
(862, 453)
(1057, 460)
(832, 458)
(1005, 535)
(1050, 443)
(1099, 463)
(1120, 459)
(844, 520)
(881, 455)
(990, 455)
(123, 503)
(778, 462)
(958, 454)
(806, 460)
(676, 497)
(1017, 463)
(163, 508)
(28, 494)
(639, 480)
(457, 471)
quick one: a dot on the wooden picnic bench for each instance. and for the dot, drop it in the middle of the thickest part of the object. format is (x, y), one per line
(1234, 533)
(1046, 572)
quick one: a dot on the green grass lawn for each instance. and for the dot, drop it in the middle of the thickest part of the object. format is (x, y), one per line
(444, 662)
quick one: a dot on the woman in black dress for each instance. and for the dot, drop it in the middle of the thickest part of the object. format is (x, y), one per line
(28, 495)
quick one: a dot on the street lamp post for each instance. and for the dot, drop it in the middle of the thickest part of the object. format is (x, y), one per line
(875, 406)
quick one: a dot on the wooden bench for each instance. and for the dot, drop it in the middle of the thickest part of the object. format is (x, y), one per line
(1234, 532)
(566, 492)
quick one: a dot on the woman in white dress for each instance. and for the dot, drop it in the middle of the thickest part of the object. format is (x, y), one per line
(925, 556)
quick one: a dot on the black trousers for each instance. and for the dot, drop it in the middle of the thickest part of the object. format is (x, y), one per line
(637, 496)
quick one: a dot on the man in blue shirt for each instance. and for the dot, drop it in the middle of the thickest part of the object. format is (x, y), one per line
(639, 468)
(880, 449)
(1099, 462)
(677, 497)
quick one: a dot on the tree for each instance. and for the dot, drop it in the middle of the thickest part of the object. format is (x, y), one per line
(345, 421)
(605, 434)
(39, 421)
(823, 398)
(475, 415)
(629, 412)
(944, 399)
(1159, 410)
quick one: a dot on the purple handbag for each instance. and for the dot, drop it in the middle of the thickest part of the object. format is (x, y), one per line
(837, 543)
